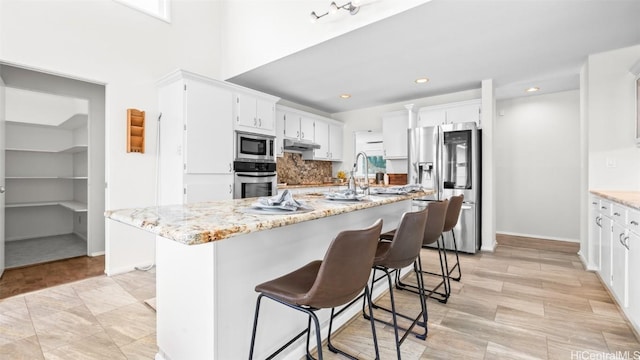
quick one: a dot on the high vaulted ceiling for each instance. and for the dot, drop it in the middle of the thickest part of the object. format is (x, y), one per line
(456, 44)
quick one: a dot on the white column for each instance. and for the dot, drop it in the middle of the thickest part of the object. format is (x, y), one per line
(488, 170)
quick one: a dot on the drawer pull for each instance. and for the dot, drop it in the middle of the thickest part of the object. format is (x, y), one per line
(633, 222)
(616, 214)
(603, 207)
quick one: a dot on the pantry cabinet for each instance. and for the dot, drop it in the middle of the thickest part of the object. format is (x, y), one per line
(196, 139)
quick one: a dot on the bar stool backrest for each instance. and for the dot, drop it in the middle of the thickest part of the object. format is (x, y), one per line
(453, 212)
(435, 221)
(407, 240)
(345, 268)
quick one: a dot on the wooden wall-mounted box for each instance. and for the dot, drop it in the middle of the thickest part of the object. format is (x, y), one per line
(135, 131)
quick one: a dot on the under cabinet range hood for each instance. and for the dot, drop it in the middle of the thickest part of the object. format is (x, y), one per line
(299, 145)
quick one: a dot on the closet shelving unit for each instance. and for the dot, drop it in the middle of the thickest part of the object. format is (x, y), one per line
(46, 180)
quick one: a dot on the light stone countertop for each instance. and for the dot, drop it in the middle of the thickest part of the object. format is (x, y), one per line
(628, 198)
(204, 222)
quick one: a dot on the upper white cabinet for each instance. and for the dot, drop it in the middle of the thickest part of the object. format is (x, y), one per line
(300, 125)
(297, 126)
(196, 138)
(329, 135)
(394, 133)
(255, 113)
(452, 113)
(280, 129)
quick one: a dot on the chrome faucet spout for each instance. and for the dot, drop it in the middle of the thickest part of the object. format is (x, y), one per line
(366, 170)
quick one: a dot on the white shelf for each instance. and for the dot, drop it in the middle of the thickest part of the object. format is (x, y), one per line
(69, 150)
(46, 177)
(74, 206)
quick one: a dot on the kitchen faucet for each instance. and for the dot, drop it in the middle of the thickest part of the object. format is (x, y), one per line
(364, 187)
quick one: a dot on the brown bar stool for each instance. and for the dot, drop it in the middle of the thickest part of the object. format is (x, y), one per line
(450, 222)
(334, 281)
(432, 233)
(400, 252)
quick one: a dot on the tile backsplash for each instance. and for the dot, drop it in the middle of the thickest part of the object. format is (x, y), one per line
(293, 170)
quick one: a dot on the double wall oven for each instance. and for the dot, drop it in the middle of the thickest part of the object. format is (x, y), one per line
(254, 168)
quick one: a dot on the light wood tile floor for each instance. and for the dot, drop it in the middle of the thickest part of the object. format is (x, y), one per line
(516, 303)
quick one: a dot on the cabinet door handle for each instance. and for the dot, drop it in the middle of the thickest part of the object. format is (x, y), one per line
(255, 121)
(599, 221)
(259, 122)
(616, 214)
(603, 207)
(302, 132)
(633, 222)
(230, 189)
(2, 190)
(625, 241)
(237, 118)
(594, 203)
(230, 167)
(298, 133)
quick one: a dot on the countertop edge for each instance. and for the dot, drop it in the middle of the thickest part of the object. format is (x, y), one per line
(628, 198)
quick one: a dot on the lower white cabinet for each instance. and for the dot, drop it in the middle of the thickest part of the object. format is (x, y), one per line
(614, 239)
(634, 284)
(202, 188)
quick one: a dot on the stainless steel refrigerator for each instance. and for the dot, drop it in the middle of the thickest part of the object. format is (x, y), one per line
(447, 159)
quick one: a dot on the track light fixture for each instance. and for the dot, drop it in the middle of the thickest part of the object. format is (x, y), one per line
(333, 8)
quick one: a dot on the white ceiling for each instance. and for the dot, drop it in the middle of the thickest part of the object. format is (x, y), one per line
(457, 44)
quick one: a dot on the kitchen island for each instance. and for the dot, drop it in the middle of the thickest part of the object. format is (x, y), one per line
(210, 256)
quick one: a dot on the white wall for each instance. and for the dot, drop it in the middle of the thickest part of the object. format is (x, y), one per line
(129, 51)
(614, 159)
(537, 161)
(258, 31)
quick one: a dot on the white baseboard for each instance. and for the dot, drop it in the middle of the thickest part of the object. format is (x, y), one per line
(97, 253)
(489, 247)
(126, 269)
(554, 238)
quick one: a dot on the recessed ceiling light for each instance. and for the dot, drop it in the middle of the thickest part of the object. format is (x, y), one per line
(532, 89)
(345, 96)
(423, 80)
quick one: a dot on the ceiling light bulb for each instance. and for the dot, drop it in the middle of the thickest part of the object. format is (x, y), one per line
(422, 80)
(532, 89)
(333, 8)
(345, 96)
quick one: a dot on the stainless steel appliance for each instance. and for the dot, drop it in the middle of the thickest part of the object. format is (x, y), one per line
(254, 179)
(254, 147)
(446, 159)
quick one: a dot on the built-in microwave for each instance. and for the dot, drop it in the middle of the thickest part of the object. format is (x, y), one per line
(254, 147)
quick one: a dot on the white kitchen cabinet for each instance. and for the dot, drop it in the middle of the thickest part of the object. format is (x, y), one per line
(394, 134)
(605, 242)
(298, 126)
(280, 129)
(200, 188)
(620, 263)
(634, 270)
(196, 137)
(336, 140)
(451, 113)
(329, 136)
(593, 256)
(255, 114)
